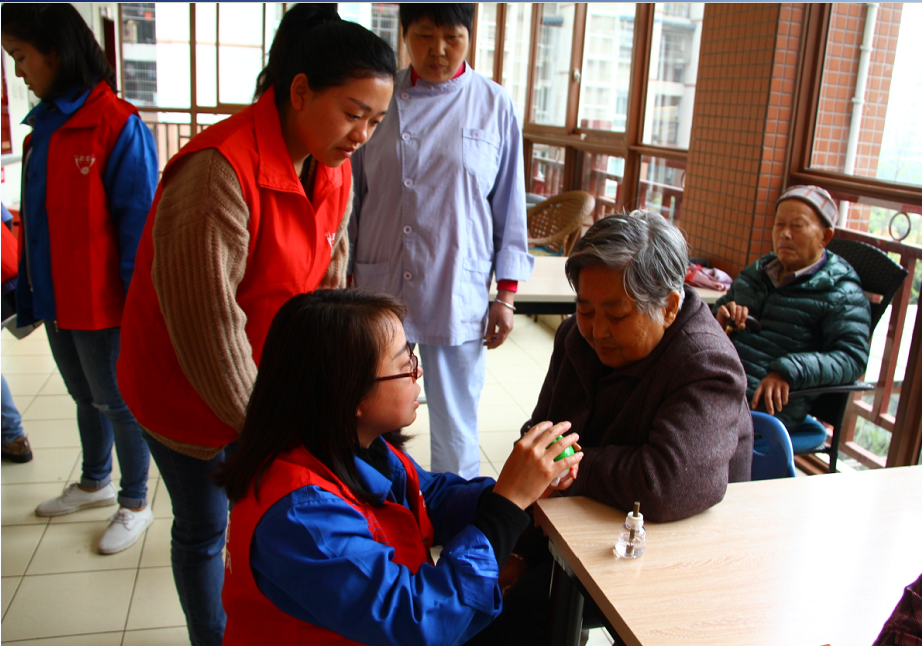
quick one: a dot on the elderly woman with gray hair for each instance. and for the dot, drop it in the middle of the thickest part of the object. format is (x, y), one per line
(646, 376)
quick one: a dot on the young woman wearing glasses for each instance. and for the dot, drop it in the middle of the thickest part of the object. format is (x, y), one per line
(332, 523)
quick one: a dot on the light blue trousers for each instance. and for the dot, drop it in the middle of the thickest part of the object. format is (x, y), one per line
(453, 379)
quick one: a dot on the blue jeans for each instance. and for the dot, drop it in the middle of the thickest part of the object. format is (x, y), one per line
(199, 525)
(12, 422)
(86, 359)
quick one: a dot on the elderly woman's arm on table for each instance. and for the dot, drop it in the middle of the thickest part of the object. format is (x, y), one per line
(683, 467)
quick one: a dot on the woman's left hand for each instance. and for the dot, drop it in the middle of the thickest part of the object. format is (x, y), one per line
(499, 321)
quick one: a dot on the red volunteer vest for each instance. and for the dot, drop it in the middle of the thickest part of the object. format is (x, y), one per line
(88, 290)
(10, 256)
(289, 252)
(251, 618)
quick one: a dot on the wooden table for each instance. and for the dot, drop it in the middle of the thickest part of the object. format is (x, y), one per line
(806, 561)
(549, 292)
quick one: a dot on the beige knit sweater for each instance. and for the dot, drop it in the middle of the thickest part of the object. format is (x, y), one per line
(200, 239)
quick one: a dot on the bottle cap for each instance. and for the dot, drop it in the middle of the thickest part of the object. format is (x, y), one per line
(633, 522)
(634, 519)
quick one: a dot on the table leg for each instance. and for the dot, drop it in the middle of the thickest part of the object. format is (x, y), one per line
(566, 603)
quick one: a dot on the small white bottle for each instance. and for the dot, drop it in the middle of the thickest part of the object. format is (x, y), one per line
(632, 541)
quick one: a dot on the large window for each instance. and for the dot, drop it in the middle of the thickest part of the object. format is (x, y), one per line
(606, 70)
(673, 71)
(552, 65)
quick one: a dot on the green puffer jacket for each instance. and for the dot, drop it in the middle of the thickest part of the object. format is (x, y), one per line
(815, 332)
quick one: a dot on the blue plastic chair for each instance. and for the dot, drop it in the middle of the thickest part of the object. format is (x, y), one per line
(772, 453)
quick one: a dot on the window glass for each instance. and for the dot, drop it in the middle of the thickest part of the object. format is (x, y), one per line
(662, 185)
(602, 175)
(380, 17)
(879, 134)
(516, 46)
(552, 77)
(546, 170)
(486, 38)
(155, 39)
(606, 69)
(673, 71)
(206, 54)
(240, 50)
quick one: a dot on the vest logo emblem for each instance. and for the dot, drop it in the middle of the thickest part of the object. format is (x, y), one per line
(84, 163)
(331, 239)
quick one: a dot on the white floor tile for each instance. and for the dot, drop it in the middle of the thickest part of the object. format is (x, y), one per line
(157, 637)
(96, 639)
(50, 407)
(54, 385)
(76, 603)
(47, 465)
(19, 545)
(72, 547)
(155, 603)
(8, 587)
(26, 364)
(156, 549)
(25, 385)
(52, 433)
(18, 501)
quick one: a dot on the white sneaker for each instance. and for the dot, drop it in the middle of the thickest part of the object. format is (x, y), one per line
(74, 499)
(125, 529)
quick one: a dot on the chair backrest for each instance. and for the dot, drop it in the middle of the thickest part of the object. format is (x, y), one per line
(879, 274)
(558, 218)
(776, 457)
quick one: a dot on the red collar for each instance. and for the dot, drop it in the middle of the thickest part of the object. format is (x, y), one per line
(414, 76)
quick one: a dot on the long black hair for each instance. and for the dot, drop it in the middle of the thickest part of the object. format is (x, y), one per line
(59, 27)
(319, 362)
(312, 40)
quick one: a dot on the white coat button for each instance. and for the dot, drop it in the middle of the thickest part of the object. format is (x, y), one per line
(408, 229)
(405, 137)
(404, 95)
(407, 275)
(408, 182)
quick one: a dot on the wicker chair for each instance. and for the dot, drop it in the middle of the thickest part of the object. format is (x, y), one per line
(555, 223)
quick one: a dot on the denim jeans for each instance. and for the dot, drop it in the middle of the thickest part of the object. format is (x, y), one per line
(199, 525)
(86, 359)
(12, 422)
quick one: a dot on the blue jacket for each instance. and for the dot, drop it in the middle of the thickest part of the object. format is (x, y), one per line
(312, 555)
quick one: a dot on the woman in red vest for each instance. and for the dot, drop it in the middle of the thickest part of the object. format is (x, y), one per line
(332, 522)
(250, 212)
(88, 177)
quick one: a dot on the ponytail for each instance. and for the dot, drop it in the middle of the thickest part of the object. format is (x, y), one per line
(313, 40)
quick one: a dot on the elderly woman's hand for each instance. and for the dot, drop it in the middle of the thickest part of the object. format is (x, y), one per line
(499, 320)
(530, 468)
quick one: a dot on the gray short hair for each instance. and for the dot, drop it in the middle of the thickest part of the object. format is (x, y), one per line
(649, 251)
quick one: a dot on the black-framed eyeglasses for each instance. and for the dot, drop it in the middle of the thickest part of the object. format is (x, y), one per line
(414, 368)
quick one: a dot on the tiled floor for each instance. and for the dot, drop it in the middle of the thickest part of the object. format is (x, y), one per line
(57, 591)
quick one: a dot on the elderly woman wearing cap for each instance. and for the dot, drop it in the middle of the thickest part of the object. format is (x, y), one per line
(814, 316)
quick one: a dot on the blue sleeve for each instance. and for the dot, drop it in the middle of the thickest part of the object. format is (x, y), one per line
(130, 180)
(451, 501)
(313, 557)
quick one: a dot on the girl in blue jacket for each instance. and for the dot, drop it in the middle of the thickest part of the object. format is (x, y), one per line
(88, 179)
(330, 534)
